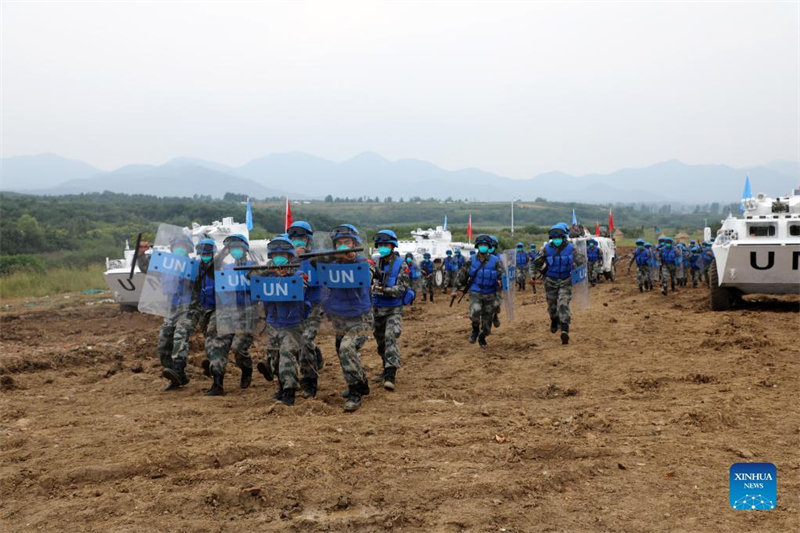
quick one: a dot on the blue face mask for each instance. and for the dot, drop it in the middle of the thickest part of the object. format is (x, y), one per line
(181, 251)
(237, 253)
(483, 248)
(558, 241)
(384, 250)
(299, 243)
(206, 258)
(342, 247)
(492, 249)
(409, 260)
(280, 260)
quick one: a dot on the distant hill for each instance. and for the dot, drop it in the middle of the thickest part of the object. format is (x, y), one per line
(301, 175)
(30, 172)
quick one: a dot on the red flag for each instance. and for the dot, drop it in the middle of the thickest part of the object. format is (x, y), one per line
(597, 229)
(610, 222)
(469, 229)
(288, 221)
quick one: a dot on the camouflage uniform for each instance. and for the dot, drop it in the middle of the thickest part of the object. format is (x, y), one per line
(558, 293)
(218, 346)
(388, 325)
(308, 352)
(643, 276)
(427, 285)
(482, 307)
(284, 347)
(351, 334)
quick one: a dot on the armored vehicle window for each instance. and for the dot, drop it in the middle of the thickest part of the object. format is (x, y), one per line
(794, 230)
(761, 230)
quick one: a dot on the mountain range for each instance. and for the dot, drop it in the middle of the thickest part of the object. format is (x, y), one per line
(304, 176)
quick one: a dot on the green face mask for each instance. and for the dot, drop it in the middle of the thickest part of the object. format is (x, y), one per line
(342, 247)
(483, 248)
(280, 260)
(299, 243)
(558, 241)
(181, 251)
(206, 258)
(409, 259)
(384, 250)
(237, 253)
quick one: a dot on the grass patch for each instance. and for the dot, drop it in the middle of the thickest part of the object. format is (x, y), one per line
(53, 281)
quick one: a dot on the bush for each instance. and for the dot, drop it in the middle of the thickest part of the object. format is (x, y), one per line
(10, 264)
(54, 281)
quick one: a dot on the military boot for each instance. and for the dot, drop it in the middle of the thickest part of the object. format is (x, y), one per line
(287, 398)
(309, 387)
(278, 396)
(553, 325)
(320, 359)
(474, 335)
(564, 334)
(176, 375)
(389, 378)
(216, 389)
(496, 320)
(265, 370)
(206, 364)
(482, 341)
(247, 377)
(353, 399)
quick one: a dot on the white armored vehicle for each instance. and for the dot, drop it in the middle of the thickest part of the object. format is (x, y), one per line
(758, 252)
(125, 280)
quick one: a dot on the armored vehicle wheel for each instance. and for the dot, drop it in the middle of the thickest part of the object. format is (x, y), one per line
(438, 278)
(722, 298)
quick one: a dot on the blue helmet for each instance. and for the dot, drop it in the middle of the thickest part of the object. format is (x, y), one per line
(300, 228)
(695, 249)
(533, 246)
(495, 240)
(692, 242)
(592, 241)
(484, 239)
(345, 231)
(426, 255)
(206, 246)
(458, 251)
(386, 236)
(280, 244)
(182, 240)
(472, 252)
(639, 242)
(558, 230)
(237, 238)
(520, 245)
(449, 252)
(648, 245)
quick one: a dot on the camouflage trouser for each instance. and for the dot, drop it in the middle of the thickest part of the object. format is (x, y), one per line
(593, 269)
(643, 275)
(283, 349)
(522, 277)
(308, 352)
(558, 293)
(387, 329)
(218, 346)
(482, 308)
(448, 280)
(351, 334)
(655, 272)
(667, 276)
(427, 286)
(705, 273)
(695, 276)
(173, 337)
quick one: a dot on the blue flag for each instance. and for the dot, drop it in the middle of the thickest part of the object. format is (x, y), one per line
(248, 219)
(746, 193)
(574, 218)
(445, 223)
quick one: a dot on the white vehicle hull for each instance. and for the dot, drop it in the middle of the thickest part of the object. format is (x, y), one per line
(124, 290)
(759, 268)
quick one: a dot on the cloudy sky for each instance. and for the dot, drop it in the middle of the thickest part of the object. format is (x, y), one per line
(516, 88)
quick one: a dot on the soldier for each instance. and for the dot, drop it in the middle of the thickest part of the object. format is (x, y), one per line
(302, 236)
(449, 270)
(522, 266)
(350, 312)
(642, 259)
(695, 265)
(188, 303)
(560, 257)
(708, 258)
(532, 254)
(235, 310)
(414, 273)
(594, 256)
(287, 320)
(389, 287)
(482, 278)
(494, 250)
(428, 271)
(669, 260)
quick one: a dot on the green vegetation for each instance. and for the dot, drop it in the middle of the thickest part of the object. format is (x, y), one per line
(50, 243)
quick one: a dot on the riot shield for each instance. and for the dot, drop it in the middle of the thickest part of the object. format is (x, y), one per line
(580, 277)
(346, 293)
(237, 311)
(171, 272)
(508, 282)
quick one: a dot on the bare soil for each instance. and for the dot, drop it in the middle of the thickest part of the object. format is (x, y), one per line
(631, 427)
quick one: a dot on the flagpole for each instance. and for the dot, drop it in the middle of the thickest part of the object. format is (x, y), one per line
(512, 218)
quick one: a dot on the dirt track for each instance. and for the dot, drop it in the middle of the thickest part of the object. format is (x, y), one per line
(632, 427)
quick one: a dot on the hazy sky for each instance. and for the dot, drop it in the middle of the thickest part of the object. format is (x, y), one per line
(515, 88)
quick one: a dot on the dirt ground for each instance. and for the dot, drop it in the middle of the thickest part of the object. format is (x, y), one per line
(631, 427)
